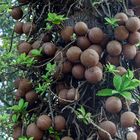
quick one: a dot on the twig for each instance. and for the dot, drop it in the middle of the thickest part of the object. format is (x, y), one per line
(99, 128)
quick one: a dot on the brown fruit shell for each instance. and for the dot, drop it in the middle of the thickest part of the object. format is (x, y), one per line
(134, 38)
(18, 28)
(44, 122)
(24, 47)
(96, 35)
(17, 13)
(89, 58)
(93, 75)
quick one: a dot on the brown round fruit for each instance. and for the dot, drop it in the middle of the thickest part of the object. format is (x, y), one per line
(83, 42)
(73, 94)
(80, 28)
(63, 95)
(109, 127)
(67, 138)
(114, 48)
(59, 123)
(121, 33)
(135, 2)
(131, 136)
(17, 13)
(36, 44)
(20, 93)
(66, 66)
(60, 86)
(29, 28)
(134, 38)
(25, 85)
(67, 33)
(73, 54)
(114, 60)
(95, 35)
(34, 131)
(17, 132)
(49, 48)
(93, 75)
(137, 59)
(89, 58)
(100, 65)
(133, 24)
(44, 122)
(18, 28)
(129, 51)
(31, 96)
(128, 119)
(24, 47)
(78, 71)
(122, 18)
(113, 105)
(17, 96)
(97, 48)
(121, 70)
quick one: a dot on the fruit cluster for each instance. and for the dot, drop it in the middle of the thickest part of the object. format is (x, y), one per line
(81, 54)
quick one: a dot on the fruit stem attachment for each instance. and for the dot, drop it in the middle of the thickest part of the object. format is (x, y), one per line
(99, 128)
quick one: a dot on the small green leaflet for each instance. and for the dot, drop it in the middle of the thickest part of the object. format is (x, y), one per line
(117, 82)
(127, 95)
(106, 92)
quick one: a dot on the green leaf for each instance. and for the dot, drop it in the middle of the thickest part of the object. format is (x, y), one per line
(82, 111)
(31, 138)
(21, 103)
(36, 52)
(129, 74)
(117, 81)
(80, 116)
(135, 83)
(127, 95)
(106, 92)
(14, 118)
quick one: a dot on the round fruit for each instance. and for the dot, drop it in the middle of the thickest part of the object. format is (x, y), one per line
(93, 75)
(134, 38)
(49, 48)
(121, 70)
(113, 105)
(17, 132)
(36, 44)
(59, 123)
(83, 42)
(122, 18)
(114, 48)
(133, 24)
(29, 28)
(66, 66)
(67, 138)
(47, 37)
(137, 59)
(128, 119)
(17, 13)
(34, 131)
(31, 96)
(105, 40)
(135, 2)
(18, 28)
(89, 58)
(129, 51)
(114, 60)
(44, 122)
(109, 127)
(121, 33)
(73, 54)
(78, 71)
(73, 94)
(25, 85)
(67, 33)
(95, 35)
(97, 48)
(63, 95)
(80, 28)
(24, 47)
(131, 136)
